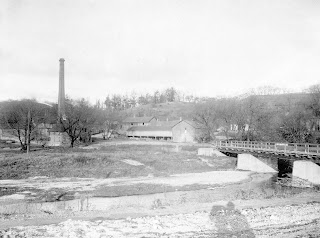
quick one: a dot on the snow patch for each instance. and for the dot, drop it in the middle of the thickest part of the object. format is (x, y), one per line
(132, 162)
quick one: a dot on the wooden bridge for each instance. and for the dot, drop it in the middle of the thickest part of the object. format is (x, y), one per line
(288, 149)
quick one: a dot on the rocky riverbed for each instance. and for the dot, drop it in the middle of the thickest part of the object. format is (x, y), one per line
(301, 220)
(255, 209)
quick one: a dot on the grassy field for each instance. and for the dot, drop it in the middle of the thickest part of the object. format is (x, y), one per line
(108, 162)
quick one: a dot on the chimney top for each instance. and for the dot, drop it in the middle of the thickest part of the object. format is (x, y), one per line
(61, 59)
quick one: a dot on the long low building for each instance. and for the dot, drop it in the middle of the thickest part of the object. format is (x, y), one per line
(176, 131)
(156, 132)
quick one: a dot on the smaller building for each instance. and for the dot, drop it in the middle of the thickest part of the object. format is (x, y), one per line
(184, 131)
(138, 121)
(57, 137)
(43, 129)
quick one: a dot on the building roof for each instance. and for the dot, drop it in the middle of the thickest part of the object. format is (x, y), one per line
(193, 124)
(150, 128)
(167, 123)
(174, 123)
(138, 119)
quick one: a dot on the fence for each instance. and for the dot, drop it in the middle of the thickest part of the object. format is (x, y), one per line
(273, 147)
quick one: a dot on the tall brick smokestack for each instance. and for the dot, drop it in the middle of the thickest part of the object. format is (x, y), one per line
(61, 98)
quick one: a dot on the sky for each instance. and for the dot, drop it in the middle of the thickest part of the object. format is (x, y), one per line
(201, 47)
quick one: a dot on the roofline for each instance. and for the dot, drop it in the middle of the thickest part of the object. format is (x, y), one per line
(140, 117)
(175, 124)
(185, 122)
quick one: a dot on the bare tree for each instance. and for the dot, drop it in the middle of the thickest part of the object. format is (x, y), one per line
(206, 117)
(226, 111)
(313, 103)
(133, 99)
(23, 118)
(156, 97)
(294, 127)
(80, 120)
(107, 122)
(171, 94)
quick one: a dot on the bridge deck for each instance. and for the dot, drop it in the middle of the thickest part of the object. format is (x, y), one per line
(307, 150)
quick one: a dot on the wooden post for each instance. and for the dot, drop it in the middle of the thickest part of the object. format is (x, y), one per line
(285, 148)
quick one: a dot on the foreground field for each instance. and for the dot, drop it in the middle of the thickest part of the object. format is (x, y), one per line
(109, 162)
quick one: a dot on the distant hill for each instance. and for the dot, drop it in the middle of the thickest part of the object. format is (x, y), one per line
(282, 101)
(175, 110)
(162, 111)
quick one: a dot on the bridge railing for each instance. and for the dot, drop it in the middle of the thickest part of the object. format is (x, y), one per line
(287, 148)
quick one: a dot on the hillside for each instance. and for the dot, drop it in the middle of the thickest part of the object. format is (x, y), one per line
(175, 110)
(162, 111)
(283, 100)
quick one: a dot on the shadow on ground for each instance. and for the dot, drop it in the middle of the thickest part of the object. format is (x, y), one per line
(230, 222)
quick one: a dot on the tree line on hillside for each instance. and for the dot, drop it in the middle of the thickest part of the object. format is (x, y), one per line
(123, 102)
(293, 118)
(171, 94)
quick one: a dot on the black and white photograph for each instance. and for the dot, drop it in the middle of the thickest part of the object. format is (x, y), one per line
(160, 118)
